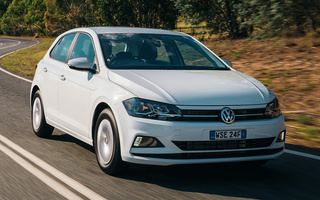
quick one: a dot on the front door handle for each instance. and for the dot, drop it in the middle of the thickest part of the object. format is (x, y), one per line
(62, 77)
(45, 69)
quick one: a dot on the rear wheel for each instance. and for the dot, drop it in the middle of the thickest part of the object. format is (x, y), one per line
(39, 124)
(106, 143)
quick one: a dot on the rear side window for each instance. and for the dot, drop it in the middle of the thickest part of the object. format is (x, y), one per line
(62, 47)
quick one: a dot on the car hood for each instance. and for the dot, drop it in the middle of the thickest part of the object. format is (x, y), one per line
(186, 87)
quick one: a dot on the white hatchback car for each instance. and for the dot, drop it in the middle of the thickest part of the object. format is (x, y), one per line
(154, 97)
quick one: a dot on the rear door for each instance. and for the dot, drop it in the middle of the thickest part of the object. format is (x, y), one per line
(52, 68)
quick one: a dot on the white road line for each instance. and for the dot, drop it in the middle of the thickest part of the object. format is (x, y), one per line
(11, 45)
(56, 173)
(19, 77)
(39, 174)
(19, 49)
(302, 154)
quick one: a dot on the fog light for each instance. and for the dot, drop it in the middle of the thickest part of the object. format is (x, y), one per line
(145, 141)
(282, 136)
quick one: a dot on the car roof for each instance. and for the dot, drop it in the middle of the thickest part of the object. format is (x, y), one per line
(103, 30)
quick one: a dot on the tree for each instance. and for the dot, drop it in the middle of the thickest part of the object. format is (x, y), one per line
(53, 17)
(34, 16)
(239, 18)
(22, 17)
(283, 17)
(12, 18)
(220, 16)
(155, 14)
(138, 13)
(3, 6)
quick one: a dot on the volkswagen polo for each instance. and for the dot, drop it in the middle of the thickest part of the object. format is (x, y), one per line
(155, 97)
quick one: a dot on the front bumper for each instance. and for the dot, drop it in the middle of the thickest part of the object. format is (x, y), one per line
(168, 132)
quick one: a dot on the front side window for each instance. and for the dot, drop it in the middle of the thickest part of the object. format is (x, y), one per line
(153, 51)
(63, 47)
(84, 48)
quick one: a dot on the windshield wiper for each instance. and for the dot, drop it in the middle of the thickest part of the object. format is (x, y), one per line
(216, 68)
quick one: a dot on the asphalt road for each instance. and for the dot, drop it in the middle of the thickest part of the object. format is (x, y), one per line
(288, 177)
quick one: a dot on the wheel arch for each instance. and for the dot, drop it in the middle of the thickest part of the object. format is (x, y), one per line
(100, 107)
(33, 92)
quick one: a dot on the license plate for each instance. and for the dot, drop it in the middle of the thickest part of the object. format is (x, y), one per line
(225, 135)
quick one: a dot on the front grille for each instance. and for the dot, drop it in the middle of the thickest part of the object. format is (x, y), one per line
(214, 115)
(223, 145)
(208, 155)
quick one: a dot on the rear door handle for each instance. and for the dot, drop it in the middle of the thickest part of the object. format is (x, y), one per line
(45, 69)
(62, 77)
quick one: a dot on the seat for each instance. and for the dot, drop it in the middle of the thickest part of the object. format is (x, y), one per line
(124, 55)
(148, 51)
(122, 59)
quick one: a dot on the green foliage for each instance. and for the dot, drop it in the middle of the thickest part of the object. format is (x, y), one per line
(22, 17)
(52, 17)
(231, 18)
(142, 13)
(3, 6)
(222, 17)
(282, 17)
(260, 19)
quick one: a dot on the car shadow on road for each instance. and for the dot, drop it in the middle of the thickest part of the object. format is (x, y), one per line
(275, 180)
(68, 138)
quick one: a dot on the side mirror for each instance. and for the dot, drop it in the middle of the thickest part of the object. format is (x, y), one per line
(228, 62)
(80, 64)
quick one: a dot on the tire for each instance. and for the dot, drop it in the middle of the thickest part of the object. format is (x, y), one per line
(107, 144)
(39, 124)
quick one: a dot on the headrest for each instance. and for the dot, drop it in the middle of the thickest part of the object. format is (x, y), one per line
(124, 55)
(148, 50)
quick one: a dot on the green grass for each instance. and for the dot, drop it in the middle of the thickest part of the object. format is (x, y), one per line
(24, 61)
(309, 133)
(305, 128)
(199, 31)
(236, 56)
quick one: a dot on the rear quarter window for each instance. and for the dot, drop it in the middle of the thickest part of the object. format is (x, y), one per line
(61, 49)
(54, 48)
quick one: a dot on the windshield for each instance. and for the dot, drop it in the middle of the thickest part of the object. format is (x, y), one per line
(153, 51)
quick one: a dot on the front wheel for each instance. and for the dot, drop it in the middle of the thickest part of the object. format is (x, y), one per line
(106, 143)
(39, 124)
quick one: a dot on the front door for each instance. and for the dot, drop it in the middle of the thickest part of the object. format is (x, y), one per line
(75, 88)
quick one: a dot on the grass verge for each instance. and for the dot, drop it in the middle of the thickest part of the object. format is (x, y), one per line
(309, 133)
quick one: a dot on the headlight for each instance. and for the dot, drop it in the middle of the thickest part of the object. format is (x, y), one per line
(150, 109)
(273, 109)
